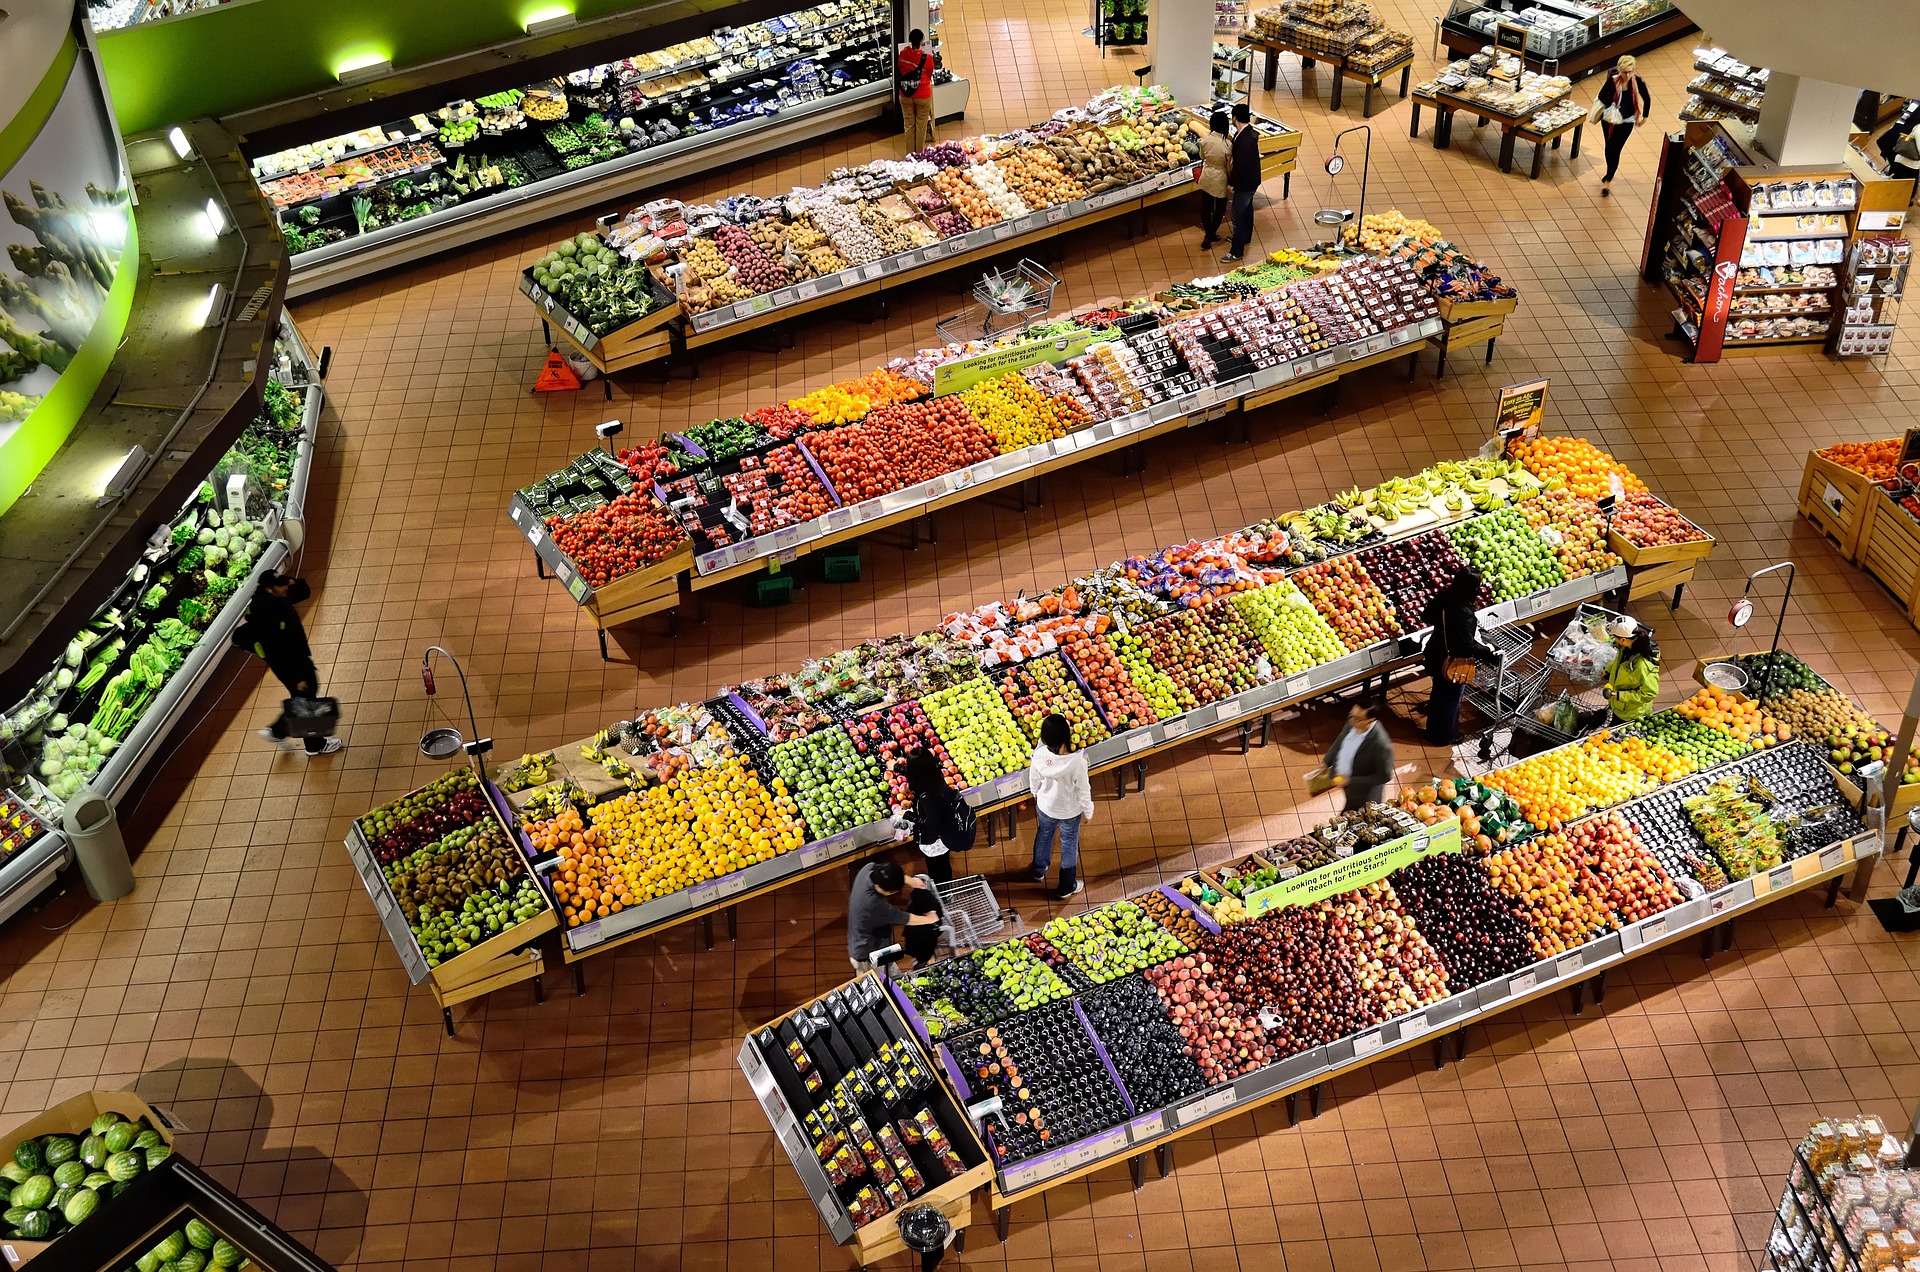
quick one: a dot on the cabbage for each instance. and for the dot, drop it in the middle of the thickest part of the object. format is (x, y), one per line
(230, 518)
(63, 678)
(77, 730)
(215, 555)
(57, 725)
(223, 538)
(204, 537)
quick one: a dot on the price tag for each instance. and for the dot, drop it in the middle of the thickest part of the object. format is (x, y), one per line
(1205, 1107)
(1521, 983)
(536, 535)
(585, 935)
(1780, 876)
(775, 1104)
(812, 855)
(839, 519)
(1228, 707)
(1056, 215)
(1139, 741)
(563, 572)
(1367, 1043)
(1289, 871)
(1570, 964)
(1173, 729)
(1145, 1128)
(1326, 360)
(750, 1062)
(1413, 1026)
(1002, 231)
(871, 272)
(1653, 929)
(808, 290)
(579, 590)
(1832, 857)
(742, 308)
(1297, 685)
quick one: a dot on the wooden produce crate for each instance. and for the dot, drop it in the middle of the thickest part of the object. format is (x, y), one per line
(1667, 553)
(1460, 310)
(1905, 797)
(642, 592)
(1837, 500)
(74, 1117)
(1657, 580)
(1890, 547)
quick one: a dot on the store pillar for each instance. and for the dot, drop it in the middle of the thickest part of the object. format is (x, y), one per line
(1805, 121)
(1180, 49)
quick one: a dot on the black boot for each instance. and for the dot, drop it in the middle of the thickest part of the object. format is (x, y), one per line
(1070, 883)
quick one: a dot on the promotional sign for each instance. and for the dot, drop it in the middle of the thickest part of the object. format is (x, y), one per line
(1522, 408)
(963, 374)
(1358, 870)
(1510, 37)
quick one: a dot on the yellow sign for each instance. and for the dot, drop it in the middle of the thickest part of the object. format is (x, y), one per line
(1356, 871)
(963, 374)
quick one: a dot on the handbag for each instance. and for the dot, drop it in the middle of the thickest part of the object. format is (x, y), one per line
(1593, 115)
(1459, 670)
(910, 84)
(308, 718)
(1320, 781)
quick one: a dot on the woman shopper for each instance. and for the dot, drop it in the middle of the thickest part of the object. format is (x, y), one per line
(936, 817)
(1216, 151)
(1623, 103)
(1451, 649)
(1063, 798)
(914, 66)
(1633, 681)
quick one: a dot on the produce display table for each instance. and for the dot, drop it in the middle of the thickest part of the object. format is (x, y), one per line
(1468, 323)
(1543, 138)
(1580, 968)
(1273, 47)
(1890, 549)
(1839, 502)
(667, 331)
(1447, 105)
(1651, 571)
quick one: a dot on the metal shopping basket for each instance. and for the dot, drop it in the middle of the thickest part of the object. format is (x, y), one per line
(973, 917)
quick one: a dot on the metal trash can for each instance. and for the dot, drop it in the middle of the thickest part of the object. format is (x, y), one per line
(94, 830)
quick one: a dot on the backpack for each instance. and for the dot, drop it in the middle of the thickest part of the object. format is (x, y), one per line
(963, 823)
(910, 84)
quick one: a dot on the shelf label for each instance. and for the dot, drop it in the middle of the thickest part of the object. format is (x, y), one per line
(383, 903)
(1413, 1026)
(1173, 729)
(1297, 685)
(839, 519)
(536, 535)
(1056, 215)
(1228, 707)
(1570, 964)
(1521, 983)
(808, 290)
(1145, 1128)
(1140, 741)
(579, 590)
(1367, 1043)
(872, 271)
(1653, 929)
(784, 296)
(1780, 876)
(1832, 857)
(1204, 1107)
(1002, 231)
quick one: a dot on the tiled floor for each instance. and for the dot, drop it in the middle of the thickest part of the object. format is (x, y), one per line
(247, 983)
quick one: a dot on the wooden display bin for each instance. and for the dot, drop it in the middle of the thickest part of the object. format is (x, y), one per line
(1664, 554)
(1890, 547)
(1905, 796)
(73, 1117)
(633, 596)
(1460, 310)
(1837, 500)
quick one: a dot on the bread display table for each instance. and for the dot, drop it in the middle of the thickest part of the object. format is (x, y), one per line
(1272, 47)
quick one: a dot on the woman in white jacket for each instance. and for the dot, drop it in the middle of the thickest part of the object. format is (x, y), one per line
(1064, 798)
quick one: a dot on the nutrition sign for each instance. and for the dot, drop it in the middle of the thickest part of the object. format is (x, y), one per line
(963, 374)
(1358, 870)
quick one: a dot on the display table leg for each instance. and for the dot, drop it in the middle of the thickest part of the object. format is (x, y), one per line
(1414, 131)
(1709, 944)
(1163, 1159)
(1578, 993)
(1833, 891)
(733, 923)
(446, 1016)
(579, 981)
(1306, 63)
(1366, 100)
(1600, 988)
(1002, 1220)
(539, 990)
(1460, 1043)
(1273, 69)
(1440, 367)
(1440, 1052)
(1137, 1170)
(1506, 149)
(1120, 783)
(1676, 596)
(1266, 727)
(1900, 841)
(1862, 880)
(1726, 935)
(604, 656)
(1539, 157)
(960, 1240)
(1293, 1108)
(1140, 777)
(1286, 186)
(1573, 151)
(1246, 740)
(1339, 82)
(1314, 1095)
(1490, 345)
(1406, 78)
(706, 930)
(1413, 363)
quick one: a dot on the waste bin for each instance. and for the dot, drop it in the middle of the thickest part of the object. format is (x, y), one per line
(94, 829)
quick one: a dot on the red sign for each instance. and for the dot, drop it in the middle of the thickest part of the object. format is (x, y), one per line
(1713, 322)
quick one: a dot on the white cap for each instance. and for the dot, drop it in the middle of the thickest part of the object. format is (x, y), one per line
(1623, 628)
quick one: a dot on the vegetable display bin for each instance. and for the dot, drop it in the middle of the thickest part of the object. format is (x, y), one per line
(72, 1117)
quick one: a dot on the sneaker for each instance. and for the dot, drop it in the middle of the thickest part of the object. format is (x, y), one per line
(284, 744)
(1079, 886)
(333, 744)
(1231, 257)
(1038, 876)
(1605, 191)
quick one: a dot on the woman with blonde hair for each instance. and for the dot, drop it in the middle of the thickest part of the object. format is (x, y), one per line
(1623, 102)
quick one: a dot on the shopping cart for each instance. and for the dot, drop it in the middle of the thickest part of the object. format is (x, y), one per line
(1577, 664)
(1505, 686)
(1004, 301)
(973, 917)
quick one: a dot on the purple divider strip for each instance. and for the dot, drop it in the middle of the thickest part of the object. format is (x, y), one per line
(498, 798)
(813, 462)
(1186, 903)
(753, 717)
(909, 1012)
(1078, 679)
(1100, 1049)
(689, 445)
(953, 1071)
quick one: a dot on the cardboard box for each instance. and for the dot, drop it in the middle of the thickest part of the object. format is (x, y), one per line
(73, 1117)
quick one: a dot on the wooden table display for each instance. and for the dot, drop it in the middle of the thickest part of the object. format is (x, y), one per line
(1465, 323)
(1446, 105)
(1651, 571)
(1839, 502)
(1581, 972)
(1273, 47)
(1542, 139)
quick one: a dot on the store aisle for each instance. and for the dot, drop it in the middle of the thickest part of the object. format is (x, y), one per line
(248, 986)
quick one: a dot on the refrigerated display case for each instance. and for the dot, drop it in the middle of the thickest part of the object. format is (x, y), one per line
(1577, 38)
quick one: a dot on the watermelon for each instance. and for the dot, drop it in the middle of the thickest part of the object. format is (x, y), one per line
(61, 1148)
(67, 1174)
(119, 1136)
(148, 1262)
(157, 1155)
(61, 1196)
(37, 1225)
(105, 1120)
(147, 1139)
(200, 1236)
(226, 1254)
(97, 1179)
(33, 1194)
(190, 1261)
(123, 1166)
(13, 1216)
(81, 1204)
(29, 1156)
(171, 1247)
(14, 1173)
(93, 1151)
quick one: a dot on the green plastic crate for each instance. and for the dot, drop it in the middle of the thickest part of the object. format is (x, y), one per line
(773, 589)
(840, 565)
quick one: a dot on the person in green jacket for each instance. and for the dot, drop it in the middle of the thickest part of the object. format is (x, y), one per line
(1633, 682)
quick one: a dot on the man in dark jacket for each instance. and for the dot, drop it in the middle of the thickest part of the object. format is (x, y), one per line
(273, 632)
(1243, 179)
(1361, 758)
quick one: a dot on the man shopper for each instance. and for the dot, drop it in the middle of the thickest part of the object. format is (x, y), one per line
(1361, 758)
(915, 69)
(1243, 178)
(272, 631)
(883, 899)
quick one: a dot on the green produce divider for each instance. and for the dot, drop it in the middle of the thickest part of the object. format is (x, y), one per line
(1356, 871)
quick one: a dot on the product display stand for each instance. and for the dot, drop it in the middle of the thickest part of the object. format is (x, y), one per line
(1371, 77)
(1652, 571)
(1512, 127)
(1466, 323)
(1578, 38)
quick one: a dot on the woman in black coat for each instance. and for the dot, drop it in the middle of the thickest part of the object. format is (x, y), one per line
(1456, 634)
(1624, 102)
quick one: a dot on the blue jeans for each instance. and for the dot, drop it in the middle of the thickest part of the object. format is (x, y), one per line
(1069, 830)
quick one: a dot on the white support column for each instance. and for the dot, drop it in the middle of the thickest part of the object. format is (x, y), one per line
(1180, 47)
(1805, 121)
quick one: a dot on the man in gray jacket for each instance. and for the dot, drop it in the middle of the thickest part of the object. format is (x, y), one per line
(1361, 758)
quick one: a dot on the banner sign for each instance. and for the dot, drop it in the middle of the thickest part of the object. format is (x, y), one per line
(1358, 870)
(967, 372)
